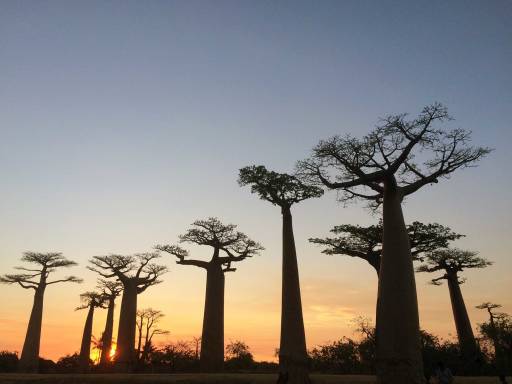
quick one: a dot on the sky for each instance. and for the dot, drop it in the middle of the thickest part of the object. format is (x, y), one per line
(122, 122)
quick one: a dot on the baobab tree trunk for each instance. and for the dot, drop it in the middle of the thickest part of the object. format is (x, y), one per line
(293, 358)
(85, 348)
(125, 350)
(467, 342)
(399, 359)
(106, 339)
(29, 360)
(374, 261)
(212, 339)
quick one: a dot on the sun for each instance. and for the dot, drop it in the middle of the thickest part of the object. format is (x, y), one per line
(112, 352)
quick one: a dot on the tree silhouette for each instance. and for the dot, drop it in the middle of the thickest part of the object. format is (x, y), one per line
(285, 190)
(235, 247)
(499, 331)
(381, 169)
(147, 321)
(90, 301)
(110, 290)
(451, 262)
(136, 273)
(366, 242)
(36, 278)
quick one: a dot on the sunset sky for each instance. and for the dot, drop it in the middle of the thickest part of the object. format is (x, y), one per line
(122, 122)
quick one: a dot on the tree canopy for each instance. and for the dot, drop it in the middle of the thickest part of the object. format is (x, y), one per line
(279, 189)
(366, 242)
(91, 299)
(235, 245)
(410, 153)
(137, 268)
(46, 263)
(451, 261)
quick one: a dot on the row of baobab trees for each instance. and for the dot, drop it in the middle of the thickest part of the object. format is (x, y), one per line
(396, 159)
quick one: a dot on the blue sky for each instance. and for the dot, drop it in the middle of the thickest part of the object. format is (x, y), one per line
(123, 121)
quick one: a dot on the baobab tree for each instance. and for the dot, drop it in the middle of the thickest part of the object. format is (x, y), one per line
(36, 278)
(284, 190)
(110, 290)
(229, 246)
(136, 273)
(381, 169)
(147, 327)
(366, 242)
(450, 262)
(90, 301)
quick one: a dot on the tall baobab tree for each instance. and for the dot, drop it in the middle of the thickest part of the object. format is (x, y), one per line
(381, 169)
(366, 242)
(229, 246)
(450, 262)
(90, 301)
(147, 322)
(283, 191)
(136, 273)
(110, 290)
(36, 278)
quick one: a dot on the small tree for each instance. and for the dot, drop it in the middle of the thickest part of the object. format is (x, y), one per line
(36, 278)
(136, 273)
(451, 262)
(381, 169)
(366, 242)
(498, 330)
(110, 290)
(235, 247)
(283, 191)
(90, 301)
(147, 322)
(238, 355)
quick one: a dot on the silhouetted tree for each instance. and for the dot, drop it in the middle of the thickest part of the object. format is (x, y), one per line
(498, 330)
(136, 273)
(197, 346)
(68, 363)
(450, 262)
(36, 278)
(177, 356)
(110, 290)
(236, 247)
(90, 301)
(238, 356)
(8, 361)
(366, 242)
(147, 322)
(285, 190)
(380, 168)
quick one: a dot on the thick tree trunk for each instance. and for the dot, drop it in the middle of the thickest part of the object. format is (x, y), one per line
(374, 261)
(106, 339)
(467, 342)
(125, 350)
(212, 339)
(293, 358)
(399, 359)
(29, 360)
(85, 348)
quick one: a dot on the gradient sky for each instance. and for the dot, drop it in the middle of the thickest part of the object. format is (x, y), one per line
(124, 121)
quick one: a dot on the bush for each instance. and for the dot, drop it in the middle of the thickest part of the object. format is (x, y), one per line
(8, 361)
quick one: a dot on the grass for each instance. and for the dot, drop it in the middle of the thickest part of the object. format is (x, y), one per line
(193, 378)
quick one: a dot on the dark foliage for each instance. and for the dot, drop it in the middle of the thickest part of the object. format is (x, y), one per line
(8, 361)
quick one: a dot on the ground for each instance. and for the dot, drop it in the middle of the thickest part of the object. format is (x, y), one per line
(199, 379)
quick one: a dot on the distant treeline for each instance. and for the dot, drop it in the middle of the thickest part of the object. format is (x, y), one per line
(344, 356)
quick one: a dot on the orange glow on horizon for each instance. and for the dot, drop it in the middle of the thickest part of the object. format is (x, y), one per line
(112, 352)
